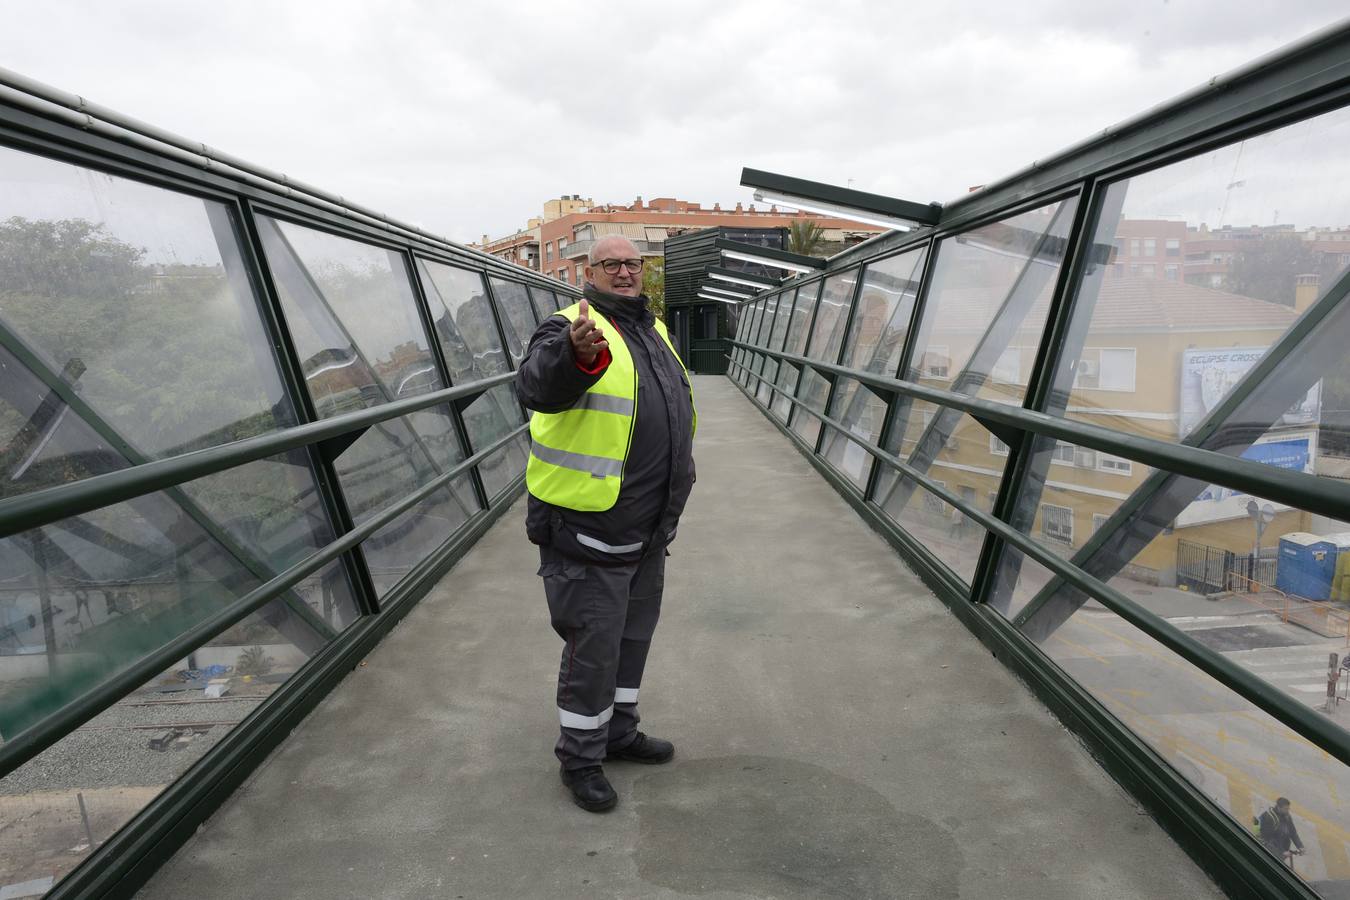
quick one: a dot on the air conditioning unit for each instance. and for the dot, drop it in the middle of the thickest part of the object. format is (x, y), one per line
(952, 442)
(1085, 457)
(1087, 368)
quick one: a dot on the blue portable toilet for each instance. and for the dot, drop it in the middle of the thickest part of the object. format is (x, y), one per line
(1307, 563)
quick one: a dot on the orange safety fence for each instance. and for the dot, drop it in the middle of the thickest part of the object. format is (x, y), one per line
(1325, 618)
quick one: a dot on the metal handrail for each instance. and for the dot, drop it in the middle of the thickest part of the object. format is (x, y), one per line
(1309, 492)
(52, 504)
(51, 728)
(1271, 700)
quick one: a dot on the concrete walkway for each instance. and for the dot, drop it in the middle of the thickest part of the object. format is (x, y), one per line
(839, 734)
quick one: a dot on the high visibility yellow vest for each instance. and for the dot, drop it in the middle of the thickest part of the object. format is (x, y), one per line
(577, 456)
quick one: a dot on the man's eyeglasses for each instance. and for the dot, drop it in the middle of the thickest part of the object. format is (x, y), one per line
(612, 266)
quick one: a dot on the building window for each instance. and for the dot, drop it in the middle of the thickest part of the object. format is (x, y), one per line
(565, 274)
(1063, 453)
(1150, 247)
(1108, 463)
(932, 502)
(1057, 523)
(548, 251)
(1134, 246)
(1146, 270)
(997, 447)
(1170, 272)
(1098, 520)
(1106, 369)
(1173, 247)
(562, 245)
(936, 362)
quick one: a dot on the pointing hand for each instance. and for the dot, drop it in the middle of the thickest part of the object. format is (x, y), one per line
(587, 338)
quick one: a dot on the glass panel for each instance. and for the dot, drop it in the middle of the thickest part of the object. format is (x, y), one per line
(467, 332)
(1159, 357)
(799, 326)
(826, 336)
(518, 318)
(756, 318)
(875, 341)
(1239, 757)
(766, 321)
(95, 271)
(84, 598)
(780, 320)
(58, 807)
(1186, 361)
(966, 468)
(543, 303)
(356, 354)
(983, 315)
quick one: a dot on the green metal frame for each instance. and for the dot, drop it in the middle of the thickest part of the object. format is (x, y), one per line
(1227, 851)
(67, 129)
(1305, 80)
(919, 213)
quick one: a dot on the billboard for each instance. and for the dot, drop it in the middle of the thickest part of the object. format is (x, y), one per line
(1207, 376)
(1287, 450)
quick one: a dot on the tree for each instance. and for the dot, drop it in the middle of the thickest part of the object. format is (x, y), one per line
(805, 237)
(1267, 268)
(654, 285)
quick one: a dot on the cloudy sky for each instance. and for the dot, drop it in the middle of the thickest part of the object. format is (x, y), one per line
(463, 119)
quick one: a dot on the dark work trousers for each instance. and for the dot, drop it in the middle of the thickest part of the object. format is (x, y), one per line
(606, 614)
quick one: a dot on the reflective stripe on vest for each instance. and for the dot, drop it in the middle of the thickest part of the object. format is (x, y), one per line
(577, 456)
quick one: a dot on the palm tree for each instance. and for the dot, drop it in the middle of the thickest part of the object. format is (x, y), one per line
(805, 237)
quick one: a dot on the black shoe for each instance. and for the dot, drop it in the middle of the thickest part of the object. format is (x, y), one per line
(645, 749)
(590, 788)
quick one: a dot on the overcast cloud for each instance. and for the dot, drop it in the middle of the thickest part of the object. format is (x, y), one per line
(464, 119)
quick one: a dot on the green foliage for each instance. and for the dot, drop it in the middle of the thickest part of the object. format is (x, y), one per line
(1266, 269)
(170, 360)
(805, 236)
(654, 284)
(253, 661)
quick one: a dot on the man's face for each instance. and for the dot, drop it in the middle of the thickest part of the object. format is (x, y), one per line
(622, 282)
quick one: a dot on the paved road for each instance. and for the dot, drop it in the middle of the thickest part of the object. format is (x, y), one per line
(1239, 757)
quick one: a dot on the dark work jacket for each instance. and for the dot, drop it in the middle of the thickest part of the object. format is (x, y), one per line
(659, 471)
(1278, 831)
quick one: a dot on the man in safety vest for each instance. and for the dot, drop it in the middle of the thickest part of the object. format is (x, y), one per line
(609, 472)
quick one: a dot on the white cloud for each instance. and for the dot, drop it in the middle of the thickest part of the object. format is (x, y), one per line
(465, 118)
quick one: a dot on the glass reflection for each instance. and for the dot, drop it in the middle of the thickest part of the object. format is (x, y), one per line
(1239, 757)
(518, 320)
(58, 807)
(83, 598)
(799, 326)
(780, 320)
(827, 334)
(354, 322)
(1195, 324)
(875, 341)
(979, 329)
(467, 330)
(96, 270)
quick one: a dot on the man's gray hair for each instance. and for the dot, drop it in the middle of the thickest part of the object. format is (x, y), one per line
(593, 255)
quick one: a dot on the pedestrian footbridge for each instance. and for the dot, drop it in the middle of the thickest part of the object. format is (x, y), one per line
(1018, 563)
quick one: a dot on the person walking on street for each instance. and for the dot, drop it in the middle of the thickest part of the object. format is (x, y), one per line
(610, 469)
(1278, 831)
